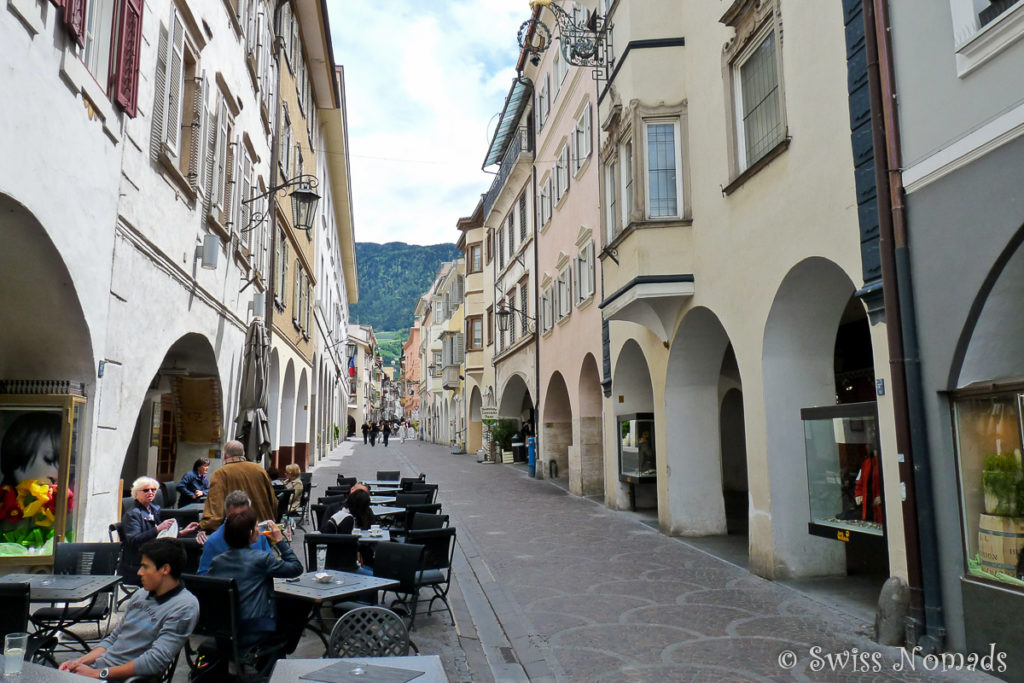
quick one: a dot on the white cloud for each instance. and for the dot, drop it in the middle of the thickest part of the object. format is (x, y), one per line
(423, 78)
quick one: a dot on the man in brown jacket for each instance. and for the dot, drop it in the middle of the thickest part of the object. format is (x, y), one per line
(239, 474)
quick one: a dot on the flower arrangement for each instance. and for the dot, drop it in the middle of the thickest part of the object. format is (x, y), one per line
(1002, 483)
(27, 514)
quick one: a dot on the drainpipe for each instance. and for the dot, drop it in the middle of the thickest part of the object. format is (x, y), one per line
(925, 624)
(536, 294)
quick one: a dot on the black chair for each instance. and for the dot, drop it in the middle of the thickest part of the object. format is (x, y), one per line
(193, 554)
(114, 532)
(347, 481)
(413, 498)
(329, 500)
(425, 520)
(183, 517)
(316, 515)
(284, 501)
(389, 475)
(369, 632)
(14, 617)
(342, 551)
(218, 634)
(438, 550)
(303, 509)
(92, 559)
(170, 491)
(431, 488)
(405, 482)
(402, 562)
(337, 491)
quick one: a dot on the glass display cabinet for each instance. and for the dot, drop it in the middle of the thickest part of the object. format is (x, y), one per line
(637, 462)
(987, 424)
(844, 473)
(40, 443)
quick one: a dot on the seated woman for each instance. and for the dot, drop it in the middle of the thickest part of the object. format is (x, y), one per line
(139, 526)
(355, 515)
(293, 482)
(194, 486)
(254, 572)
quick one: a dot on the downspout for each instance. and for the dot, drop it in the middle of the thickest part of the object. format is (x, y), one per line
(536, 303)
(925, 624)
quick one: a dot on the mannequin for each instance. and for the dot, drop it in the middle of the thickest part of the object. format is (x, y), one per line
(868, 489)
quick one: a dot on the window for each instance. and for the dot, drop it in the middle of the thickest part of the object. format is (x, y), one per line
(581, 140)
(758, 107)
(309, 305)
(543, 102)
(436, 356)
(544, 202)
(524, 305)
(297, 294)
(557, 66)
(522, 217)
(476, 263)
(547, 318)
(490, 325)
(510, 298)
(177, 135)
(282, 269)
(663, 179)
(490, 245)
(584, 267)
(109, 42)
(562, 172)
(511, 234)
(626, 179)
(286, 144)
(475, 333)
(611, 192)
(501, 247)
(563, 293)
(243, 211)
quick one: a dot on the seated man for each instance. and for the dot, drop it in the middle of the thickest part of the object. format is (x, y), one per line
(157, 621)
(214, 544)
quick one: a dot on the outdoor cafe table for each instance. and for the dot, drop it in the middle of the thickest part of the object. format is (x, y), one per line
(64, 588)
(378, 500)
(383, 482)
(343, 585)
(377, 490)
(385, 510)
(291, 670)
(366, 537)
(36, 673)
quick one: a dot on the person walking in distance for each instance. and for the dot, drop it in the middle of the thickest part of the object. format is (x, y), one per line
(374, 431)
(366, 432)
(386, 431)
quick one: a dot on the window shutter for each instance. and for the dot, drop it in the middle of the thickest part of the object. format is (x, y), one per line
(175, 86)
(295, 294)
(234, 185)
(126, 61)
(244, 210)
(588, 132)
(209, 159)
(220, 150)
(284, 267)
(74, 20)
(156, 140)
(196, 158)
(460, 348)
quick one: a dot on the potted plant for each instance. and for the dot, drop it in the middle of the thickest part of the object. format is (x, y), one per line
(1002, 483)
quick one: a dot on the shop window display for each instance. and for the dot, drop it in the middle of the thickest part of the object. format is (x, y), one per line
(637, 462)
(844, 470)
(988, 443)
(39, 444)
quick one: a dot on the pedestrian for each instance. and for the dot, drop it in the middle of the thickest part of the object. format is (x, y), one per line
(238, 474)
(374, 431)
(366, 432)
(386, 431)
(401, 431)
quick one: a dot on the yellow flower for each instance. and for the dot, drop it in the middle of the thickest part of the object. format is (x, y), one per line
(38, 492)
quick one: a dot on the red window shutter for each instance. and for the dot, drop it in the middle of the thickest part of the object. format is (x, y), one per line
(74, 20)
(126, 60)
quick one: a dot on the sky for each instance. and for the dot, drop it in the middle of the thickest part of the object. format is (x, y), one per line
(424, 81)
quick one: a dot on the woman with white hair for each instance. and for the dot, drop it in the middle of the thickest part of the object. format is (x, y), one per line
(139, 525)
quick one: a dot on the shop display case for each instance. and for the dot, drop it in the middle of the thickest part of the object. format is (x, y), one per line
(40, 443)
(637, 462)
(844, 473)
(987, 424)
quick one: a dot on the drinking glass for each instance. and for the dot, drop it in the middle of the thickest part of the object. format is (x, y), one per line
(14, 652)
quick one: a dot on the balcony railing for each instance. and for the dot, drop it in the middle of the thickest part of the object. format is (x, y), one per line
(520, 143)
(450, 377)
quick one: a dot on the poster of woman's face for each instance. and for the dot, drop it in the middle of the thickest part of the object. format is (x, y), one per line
(29, 445)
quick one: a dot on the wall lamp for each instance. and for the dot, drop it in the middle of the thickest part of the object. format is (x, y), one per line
(258, 303)
(207, 252)
(304, 201)
(504, 314)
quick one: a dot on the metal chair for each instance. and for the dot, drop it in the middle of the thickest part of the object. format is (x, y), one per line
(402, 562)
(14, 618)
(422, 521)
(284, 501)
(413, 498)
(316, 515)
(170, 491)
(183, 517)
(347, 481)
(432, 488)
(369, 632)
(93, 559)
(342, 551)
(438, 550)
(389, 475)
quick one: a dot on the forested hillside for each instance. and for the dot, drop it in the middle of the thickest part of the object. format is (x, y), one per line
(392, 277)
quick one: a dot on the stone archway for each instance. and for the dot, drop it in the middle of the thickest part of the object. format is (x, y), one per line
(633, 395)
(274, 400)
(284, 451)
(300, 453)
(587, 433)
(474, 425)
(556, 430)
(798, 365)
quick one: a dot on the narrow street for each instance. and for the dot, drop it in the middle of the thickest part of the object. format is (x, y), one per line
(554, 587)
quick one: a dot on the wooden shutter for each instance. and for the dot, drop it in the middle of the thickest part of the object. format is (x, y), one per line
(126, 60)
(227, 213)
(245, 210)
(296, 301)
(588, 133)
(209, 161)
(460, 348)
(220, 160)
(74, 20)
(197, 140)
(156, 140)
(175, 85)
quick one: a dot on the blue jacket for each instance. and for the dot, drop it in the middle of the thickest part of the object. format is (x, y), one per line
(137, 527)
(254, 572)
(215, 545)
(188, 486)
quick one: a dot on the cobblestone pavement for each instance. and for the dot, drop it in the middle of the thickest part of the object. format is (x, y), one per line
(551, 586)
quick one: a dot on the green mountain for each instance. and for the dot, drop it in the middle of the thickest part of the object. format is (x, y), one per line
(392, 277)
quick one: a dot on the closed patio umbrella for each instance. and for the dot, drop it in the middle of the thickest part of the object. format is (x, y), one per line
(252, 427)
